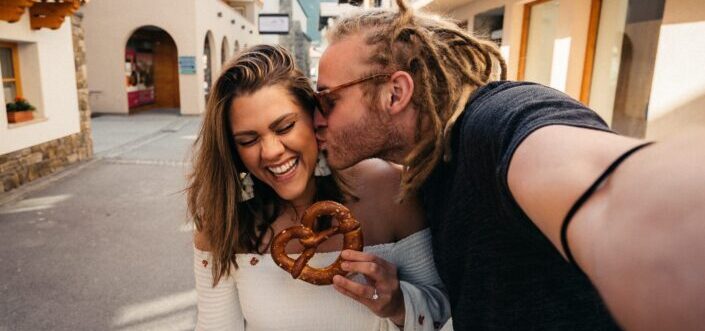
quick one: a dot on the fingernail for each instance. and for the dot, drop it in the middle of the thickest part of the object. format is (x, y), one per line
(345, 265)
(344, 253)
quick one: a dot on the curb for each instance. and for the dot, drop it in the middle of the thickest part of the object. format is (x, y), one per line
(110, 155)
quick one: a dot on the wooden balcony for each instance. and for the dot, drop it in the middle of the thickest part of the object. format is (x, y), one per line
(12, 10)
(42, 13)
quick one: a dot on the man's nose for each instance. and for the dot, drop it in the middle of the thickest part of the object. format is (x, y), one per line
(319, 122)
(272, 148)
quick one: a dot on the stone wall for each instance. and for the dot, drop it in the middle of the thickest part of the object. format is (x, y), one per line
(302, 44)
(28, 164)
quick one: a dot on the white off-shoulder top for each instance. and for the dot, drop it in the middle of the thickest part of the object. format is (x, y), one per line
(259, 295)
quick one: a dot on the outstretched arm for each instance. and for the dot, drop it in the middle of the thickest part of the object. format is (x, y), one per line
(639, 237)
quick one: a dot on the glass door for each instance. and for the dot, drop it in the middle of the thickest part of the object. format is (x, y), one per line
(538, 38)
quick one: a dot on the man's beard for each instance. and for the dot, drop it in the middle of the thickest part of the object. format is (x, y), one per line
(370, 137)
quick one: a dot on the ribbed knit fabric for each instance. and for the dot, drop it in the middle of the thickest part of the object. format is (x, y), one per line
(501, 271)
(261, 296)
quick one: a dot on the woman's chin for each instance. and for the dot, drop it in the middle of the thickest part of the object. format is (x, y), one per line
(290, 194)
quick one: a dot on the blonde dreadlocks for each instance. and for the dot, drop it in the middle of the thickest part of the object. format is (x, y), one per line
(446, 63)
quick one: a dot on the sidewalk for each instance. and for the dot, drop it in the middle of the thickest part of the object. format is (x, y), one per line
(104, 245)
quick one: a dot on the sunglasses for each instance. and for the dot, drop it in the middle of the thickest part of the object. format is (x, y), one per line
(324, 99)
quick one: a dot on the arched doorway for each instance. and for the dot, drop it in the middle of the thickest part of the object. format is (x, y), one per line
(208, 44)
(224, 50)
(236, 47)
(151, 70)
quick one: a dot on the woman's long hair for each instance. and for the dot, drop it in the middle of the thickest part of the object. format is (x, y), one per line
(214, 186)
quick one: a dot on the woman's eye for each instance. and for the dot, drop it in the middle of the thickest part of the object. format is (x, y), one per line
(286, 128)
(248, 142)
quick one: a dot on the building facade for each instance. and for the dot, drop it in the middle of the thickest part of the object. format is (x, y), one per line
(296, 40)
(638, 63)
(162, 53)
(46, 121)
(329, 11)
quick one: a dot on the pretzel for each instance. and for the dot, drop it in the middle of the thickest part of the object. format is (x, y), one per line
(348, 226)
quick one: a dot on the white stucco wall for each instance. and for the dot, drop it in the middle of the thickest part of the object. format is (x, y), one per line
(270, 7)
(48, 76)
(110, 23)
(677, 99)
(207, 20)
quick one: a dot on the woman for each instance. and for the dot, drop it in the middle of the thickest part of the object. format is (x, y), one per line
(257, 168)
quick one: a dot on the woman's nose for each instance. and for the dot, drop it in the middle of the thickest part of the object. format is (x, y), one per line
(272, 148)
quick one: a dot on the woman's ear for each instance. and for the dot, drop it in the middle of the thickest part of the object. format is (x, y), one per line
(402, 89)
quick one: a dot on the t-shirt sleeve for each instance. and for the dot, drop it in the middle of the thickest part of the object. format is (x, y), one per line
(501, 115)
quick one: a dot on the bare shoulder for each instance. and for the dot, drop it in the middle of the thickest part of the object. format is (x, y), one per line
(374, 178)
(373, 170)
(201, 241)
(377, 184)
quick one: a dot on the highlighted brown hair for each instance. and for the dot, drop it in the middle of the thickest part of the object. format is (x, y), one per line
(214, 186)
(446, 63)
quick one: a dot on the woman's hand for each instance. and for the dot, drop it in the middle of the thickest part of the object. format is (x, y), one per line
(382, 279)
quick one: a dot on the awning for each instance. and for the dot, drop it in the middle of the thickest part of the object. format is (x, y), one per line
(42, 13)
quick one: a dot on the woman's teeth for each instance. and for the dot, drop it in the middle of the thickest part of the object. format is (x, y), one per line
(282, 169)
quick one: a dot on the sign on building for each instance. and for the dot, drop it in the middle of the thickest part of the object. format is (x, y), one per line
(274, 23)
(187, 65)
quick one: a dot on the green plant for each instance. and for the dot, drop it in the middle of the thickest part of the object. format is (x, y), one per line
(20, 104)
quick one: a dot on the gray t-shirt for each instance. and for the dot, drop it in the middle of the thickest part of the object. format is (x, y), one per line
(501, 272)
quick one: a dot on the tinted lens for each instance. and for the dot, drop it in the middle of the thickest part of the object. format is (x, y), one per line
(324, 104)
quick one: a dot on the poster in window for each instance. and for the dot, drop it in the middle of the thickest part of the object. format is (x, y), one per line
(139, 76)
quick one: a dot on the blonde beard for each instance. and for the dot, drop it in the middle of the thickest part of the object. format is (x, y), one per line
(373, 136)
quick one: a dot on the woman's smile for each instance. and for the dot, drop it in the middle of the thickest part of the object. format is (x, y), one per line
(275, 141)
(285, 170)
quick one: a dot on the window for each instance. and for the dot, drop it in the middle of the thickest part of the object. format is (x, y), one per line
(622, 58)
(9, 65)
(537, 42)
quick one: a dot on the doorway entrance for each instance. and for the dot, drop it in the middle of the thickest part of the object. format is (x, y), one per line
(151, 70)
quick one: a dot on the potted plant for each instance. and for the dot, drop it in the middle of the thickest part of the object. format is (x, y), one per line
(19, 111)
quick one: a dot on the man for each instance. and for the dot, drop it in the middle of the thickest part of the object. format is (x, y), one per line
(538, 211)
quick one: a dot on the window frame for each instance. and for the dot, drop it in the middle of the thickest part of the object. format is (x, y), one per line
(590, 49)
(523, 47)
(17, 79)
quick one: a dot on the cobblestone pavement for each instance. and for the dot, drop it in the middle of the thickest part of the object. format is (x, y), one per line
(104, 245)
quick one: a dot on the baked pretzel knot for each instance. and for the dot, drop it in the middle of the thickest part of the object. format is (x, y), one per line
(348, 226)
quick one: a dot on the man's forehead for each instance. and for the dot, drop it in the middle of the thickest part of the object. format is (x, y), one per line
(341, 61)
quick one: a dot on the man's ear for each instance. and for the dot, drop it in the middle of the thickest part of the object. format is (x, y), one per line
(402, 89)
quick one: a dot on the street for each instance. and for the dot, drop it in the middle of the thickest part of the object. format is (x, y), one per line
(105, 244)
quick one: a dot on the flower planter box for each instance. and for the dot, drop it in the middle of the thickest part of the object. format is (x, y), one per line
(19, 116)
